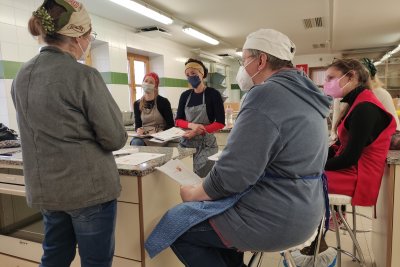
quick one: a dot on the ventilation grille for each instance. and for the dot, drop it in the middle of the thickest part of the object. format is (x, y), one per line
(153, 31)
(313, 23)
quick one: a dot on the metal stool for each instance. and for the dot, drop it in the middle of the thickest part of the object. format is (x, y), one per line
(256, 258)
(335, 199)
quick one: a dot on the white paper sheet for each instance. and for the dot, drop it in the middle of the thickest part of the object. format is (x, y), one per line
(170, 134)
(216, 156)
(137, 158)
(126, 151)
(178, 171)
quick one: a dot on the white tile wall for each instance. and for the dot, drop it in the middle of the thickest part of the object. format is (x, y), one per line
(7, 14)
(2, 89)
(118, 61)
(8, 33)
(173, 94)
(7, 2)
(12, 119)
(16, 44)
(9, 51)
(3, 104)
(22, 17)
(26, 5)
(4, 119)
(3, 107)
(24, 37)
(120, 94)
(26, 52)
(101, 57)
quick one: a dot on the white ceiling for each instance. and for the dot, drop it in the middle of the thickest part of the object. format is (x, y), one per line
(348, 24)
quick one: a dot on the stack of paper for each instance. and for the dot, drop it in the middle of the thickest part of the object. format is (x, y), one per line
(167, 135)
(137, 158)
(178, 171)
(126, 151)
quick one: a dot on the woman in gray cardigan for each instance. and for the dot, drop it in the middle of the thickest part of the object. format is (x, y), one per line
(69, 126)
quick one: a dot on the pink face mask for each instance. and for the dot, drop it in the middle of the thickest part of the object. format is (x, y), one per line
(333, 88)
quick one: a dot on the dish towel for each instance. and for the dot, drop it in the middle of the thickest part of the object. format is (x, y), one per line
(182, 217)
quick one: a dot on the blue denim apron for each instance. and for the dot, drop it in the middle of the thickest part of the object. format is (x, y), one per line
(182, 217)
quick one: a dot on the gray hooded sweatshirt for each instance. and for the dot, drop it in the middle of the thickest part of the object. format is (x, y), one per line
(281, 130)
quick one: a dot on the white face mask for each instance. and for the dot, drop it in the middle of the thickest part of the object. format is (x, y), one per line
(86, 52)
(244, 80)
(148, 87)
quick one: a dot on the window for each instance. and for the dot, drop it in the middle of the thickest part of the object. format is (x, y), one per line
(138, 66)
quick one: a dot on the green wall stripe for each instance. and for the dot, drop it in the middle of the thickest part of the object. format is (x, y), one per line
(9, 69)
(114, 77)
(106, 77)
(235, 86)
(172, 82)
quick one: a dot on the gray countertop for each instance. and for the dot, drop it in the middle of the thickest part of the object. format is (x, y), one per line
(15, 158)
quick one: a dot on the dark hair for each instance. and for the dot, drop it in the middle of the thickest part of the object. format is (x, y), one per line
(347, 65)
(36, 28)
(201, 64)
(369, 65)
(274, 62)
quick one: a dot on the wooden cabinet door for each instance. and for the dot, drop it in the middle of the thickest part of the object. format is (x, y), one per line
(120, 262)
(127, 232)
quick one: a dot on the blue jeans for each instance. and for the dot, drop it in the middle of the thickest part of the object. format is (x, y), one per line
(201, 246)
(137, 142)
(92, 228)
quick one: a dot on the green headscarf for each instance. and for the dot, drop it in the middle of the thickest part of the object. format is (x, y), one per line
(370, 66)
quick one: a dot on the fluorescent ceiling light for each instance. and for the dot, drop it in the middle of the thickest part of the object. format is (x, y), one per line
(239, 52)
(394, 51)
(143, 10)
(376, 63)
(199, 35)
(387, 55)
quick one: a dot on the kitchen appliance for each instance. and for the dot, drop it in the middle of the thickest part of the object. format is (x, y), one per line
(21, 227)
(127, 117)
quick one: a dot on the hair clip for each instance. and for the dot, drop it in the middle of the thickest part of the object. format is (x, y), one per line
(45, 19)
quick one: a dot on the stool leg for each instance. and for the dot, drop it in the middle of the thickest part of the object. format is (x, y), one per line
(354, 230)
(321, 230)
(289, 259)
(253, 259)
(355, 242)
(338, 247)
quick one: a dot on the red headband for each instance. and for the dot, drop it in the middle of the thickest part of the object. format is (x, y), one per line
(154, 76)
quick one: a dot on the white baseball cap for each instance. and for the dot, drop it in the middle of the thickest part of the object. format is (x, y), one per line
(271, 42)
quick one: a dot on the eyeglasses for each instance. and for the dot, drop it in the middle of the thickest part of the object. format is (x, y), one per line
(242, 60)
(92, 36)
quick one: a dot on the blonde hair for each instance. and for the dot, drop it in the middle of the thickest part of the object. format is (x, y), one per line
(376, 83)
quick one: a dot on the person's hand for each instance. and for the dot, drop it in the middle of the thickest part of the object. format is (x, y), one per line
(189, 134)
(187, 192)
(140, 131)
(332, 138)
(193, 193)
(198, 128)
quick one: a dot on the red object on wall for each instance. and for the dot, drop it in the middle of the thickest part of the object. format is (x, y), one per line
(303, 67)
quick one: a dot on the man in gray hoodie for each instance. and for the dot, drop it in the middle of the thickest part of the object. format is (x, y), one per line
(272, 163)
